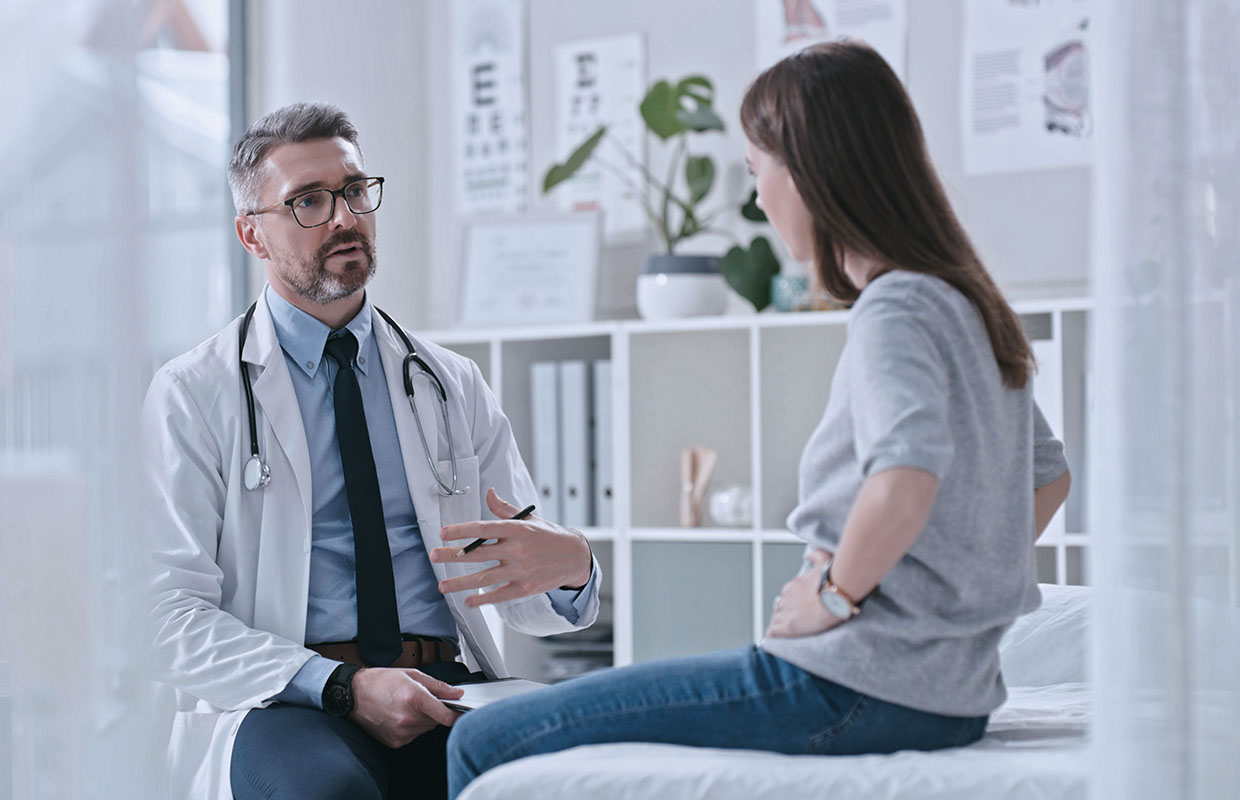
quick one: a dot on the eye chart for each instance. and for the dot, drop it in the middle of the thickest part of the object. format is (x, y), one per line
(489, 92)
(602, 82)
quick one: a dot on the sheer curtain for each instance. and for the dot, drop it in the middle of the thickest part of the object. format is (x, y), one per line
(1166, 356)
(113, 236)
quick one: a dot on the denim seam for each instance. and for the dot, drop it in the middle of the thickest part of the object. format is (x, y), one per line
(831, 731)
(783, 688)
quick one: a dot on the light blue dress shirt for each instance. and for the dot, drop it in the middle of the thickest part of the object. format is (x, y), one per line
(332, 607)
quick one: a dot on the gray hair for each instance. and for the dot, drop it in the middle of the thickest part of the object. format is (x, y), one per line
(299, 122)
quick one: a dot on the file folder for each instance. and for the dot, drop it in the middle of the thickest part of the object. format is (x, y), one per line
(545, 437)
(576, 492)
(602, 445)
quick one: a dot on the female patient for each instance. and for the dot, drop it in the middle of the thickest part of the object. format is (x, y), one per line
(921, 491)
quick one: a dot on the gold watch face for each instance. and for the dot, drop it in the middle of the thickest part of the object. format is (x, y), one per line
(834, 603)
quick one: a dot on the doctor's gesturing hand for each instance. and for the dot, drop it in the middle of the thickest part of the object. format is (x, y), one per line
(396, 706)
(534, 555)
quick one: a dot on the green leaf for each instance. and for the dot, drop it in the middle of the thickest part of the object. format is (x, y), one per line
(749, 272)
(750, 210)
(659, 109)
(700, 175)
(562, 172)
(698, 87)
(700, 119)
(670, 110)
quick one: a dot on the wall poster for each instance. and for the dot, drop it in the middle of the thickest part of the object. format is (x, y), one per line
(785, 26)
(488, 83)
(1025, 92)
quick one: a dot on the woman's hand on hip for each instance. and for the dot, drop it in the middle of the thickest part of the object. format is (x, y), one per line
(798, 610)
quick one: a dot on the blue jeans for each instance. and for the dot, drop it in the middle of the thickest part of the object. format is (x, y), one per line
(744, 699)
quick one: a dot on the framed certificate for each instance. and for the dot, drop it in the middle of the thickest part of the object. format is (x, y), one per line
(529, 270)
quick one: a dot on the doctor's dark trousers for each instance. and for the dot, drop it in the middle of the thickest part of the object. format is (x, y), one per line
(287, 751)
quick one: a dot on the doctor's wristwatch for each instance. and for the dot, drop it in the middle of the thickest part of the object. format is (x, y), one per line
(338, 693)
(833, 598)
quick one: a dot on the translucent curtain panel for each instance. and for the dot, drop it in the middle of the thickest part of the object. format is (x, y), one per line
(113, 242)
(1166, 360)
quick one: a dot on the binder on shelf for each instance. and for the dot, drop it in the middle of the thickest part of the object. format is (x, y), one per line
(602, 445)
(576, 492)
(545, 437)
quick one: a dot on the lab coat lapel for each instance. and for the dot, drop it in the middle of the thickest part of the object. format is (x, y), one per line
(424, 490)
(422, 486)
(276, 403)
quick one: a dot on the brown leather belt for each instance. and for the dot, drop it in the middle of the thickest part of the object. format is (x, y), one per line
(415, 652)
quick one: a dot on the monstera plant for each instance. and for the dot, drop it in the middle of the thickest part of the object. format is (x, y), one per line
(674, 112)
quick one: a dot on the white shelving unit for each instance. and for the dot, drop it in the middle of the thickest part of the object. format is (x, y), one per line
(753, 388)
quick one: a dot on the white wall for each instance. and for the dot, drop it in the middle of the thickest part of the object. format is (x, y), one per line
(296, 52)
(1032, 228)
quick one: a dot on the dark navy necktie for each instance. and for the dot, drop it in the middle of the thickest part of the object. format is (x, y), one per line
(378, 623)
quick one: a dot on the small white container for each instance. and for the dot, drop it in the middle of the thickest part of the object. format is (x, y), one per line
(671, 287)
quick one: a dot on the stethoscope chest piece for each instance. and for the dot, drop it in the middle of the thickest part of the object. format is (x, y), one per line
(255, 474)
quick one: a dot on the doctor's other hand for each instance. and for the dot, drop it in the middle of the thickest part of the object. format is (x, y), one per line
(798, 610)
(534, 555)
(396, 706)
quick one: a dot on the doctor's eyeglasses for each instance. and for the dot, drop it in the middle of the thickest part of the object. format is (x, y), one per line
(314, 208)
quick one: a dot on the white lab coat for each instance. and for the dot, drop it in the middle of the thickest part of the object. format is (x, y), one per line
(231, 567)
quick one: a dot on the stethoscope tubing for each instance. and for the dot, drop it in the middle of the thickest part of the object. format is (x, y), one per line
(256, 474)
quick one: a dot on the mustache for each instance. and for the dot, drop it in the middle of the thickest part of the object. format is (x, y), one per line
(346, 237)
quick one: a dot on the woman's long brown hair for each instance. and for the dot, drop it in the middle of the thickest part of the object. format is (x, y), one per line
(839, 119)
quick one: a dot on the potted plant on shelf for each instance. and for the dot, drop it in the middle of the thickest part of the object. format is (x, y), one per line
(673, 284)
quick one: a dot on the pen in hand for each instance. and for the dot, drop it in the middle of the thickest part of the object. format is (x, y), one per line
(476, 543)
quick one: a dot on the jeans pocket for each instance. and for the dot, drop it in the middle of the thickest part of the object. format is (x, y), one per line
(827, 740)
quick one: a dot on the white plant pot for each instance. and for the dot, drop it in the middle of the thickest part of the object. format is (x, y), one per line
(671, 287)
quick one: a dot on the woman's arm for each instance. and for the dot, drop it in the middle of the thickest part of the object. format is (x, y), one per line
(887, 517)
(1047, 500)
(889, 514)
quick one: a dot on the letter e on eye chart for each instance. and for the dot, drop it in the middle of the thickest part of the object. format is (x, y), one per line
(488, 84)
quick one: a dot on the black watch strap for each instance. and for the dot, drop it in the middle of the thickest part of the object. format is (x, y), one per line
(338, 693)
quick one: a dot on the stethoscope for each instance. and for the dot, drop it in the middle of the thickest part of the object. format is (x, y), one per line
(256, 475)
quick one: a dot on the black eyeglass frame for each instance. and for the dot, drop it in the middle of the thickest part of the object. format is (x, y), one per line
(334, 194)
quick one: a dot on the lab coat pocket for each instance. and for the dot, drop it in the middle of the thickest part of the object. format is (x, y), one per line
(465, 507)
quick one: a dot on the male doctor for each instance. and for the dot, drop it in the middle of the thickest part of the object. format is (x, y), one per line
(311, 607)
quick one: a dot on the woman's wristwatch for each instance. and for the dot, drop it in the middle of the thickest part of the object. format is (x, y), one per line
(834, 599)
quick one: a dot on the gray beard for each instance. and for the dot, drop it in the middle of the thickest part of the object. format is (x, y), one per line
(314, 283)
(321, 286)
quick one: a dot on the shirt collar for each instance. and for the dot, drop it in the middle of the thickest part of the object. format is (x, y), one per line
(303, 337)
